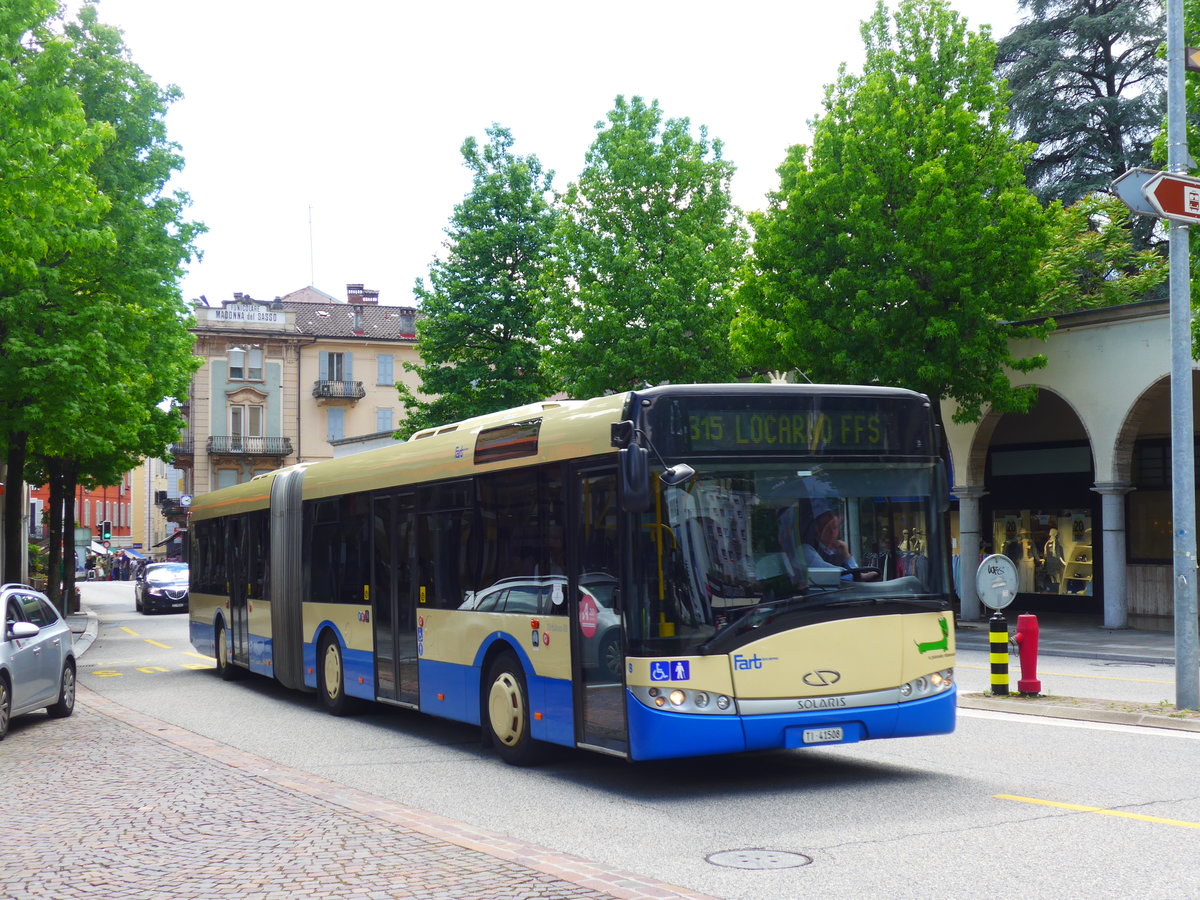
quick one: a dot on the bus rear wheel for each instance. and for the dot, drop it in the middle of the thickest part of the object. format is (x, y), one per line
(332, 677)
(507, 713)
(224, 664)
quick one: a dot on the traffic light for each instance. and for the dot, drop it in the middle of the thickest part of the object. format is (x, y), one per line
(106, 531)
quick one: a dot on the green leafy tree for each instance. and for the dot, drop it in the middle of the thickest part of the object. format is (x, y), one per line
(99, 334)
(1091, 261)
(1088, 87)
(52, 209)
(477, 331)
(641, 282)
(901, 243)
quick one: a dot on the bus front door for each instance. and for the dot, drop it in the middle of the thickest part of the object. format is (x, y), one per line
(393, 605)
(595, 615)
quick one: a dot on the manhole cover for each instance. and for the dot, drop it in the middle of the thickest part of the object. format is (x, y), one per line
(758, 859)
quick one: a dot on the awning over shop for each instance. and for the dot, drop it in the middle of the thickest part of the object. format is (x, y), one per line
(136, 554)
(179, 535)
(98, 549)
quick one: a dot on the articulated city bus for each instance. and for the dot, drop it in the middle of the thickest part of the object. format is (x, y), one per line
(676, 571)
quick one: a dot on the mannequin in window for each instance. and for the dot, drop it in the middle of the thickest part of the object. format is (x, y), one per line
(1052, 553)
(1026, 564)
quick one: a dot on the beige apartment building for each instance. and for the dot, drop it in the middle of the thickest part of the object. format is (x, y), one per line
(289, 380)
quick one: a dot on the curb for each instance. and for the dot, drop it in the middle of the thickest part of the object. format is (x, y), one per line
(1055, 710)
(83, 637)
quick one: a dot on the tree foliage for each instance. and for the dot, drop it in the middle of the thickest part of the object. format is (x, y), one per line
(1088, 87)
(899, 246)
(642, 274)
(1091, 261)
(480, 310)
(94, 328)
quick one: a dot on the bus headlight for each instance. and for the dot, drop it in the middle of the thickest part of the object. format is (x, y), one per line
(679, 700)
(928, 685)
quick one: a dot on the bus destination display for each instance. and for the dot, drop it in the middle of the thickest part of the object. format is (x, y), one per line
(791, 431)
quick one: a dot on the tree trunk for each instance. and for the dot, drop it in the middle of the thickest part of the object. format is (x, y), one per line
(70, 479)
(54, 545)
(14, 507)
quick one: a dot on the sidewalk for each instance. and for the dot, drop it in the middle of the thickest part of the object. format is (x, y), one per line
(1083, 637)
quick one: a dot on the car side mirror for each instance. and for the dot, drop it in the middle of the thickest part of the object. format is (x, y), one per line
(22, 630)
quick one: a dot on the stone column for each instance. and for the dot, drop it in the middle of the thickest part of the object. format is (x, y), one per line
(969, 535)
(1112, 524)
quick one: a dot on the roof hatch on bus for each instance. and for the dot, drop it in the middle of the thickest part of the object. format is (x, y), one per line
(512, 441)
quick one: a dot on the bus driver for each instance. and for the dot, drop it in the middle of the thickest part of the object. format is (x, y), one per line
(823, 544)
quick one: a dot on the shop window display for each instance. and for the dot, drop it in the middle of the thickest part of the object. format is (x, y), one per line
(1052, 550)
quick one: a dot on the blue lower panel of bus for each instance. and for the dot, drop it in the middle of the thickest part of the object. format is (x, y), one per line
(656, 734)
(203, 638)
(358, 667)
(260, 655)
(452, 691)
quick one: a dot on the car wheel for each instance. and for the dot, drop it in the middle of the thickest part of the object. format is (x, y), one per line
(507, 718)
(331, 677)
(5, 707)
(609, 658)
(137, 602)
(225, 667)
(66, 694)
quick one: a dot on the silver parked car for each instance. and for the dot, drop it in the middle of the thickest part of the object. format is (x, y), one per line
(37, 657)
(544, 596)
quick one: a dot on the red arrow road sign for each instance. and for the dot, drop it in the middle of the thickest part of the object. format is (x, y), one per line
(1174, 197)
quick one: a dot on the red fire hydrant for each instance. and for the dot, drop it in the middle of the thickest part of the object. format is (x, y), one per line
(1027, 640)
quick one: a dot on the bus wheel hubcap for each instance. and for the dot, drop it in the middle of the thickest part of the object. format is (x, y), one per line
(506, 709)
(333, 671)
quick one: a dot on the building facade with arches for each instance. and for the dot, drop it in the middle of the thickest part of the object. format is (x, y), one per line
(1077, 492)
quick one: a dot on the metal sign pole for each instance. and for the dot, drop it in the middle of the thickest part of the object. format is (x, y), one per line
(1183, 474)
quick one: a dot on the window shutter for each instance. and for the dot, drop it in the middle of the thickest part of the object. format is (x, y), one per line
(386, 369)
(348, 362)
(336, 424)
(324, 373)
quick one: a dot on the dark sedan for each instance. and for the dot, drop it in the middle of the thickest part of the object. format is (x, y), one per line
(161, 586)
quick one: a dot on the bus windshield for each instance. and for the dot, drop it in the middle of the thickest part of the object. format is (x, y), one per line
(738, 538)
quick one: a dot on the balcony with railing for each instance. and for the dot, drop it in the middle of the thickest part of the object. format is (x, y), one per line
(339, 390)
(182, 451)
(240, 445)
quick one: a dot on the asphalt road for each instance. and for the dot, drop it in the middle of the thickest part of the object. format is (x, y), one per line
(1008, 805)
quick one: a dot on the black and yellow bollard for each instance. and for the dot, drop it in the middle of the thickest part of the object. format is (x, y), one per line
(998, 642)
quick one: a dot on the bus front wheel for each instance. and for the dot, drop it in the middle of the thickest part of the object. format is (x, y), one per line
(332, 673)
(508, 713)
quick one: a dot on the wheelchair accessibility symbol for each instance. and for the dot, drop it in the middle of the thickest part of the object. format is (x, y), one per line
(672, 670)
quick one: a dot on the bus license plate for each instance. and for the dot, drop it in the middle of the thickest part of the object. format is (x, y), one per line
(822, 735)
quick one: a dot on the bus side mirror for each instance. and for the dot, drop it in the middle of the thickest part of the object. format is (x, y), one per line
(634, 465)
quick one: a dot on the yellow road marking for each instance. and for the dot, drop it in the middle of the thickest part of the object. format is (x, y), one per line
(1103, 812)
(130, 631)
(107, 673)
(1071, 675)
(156, 644)
(211, 659)
(150, 670)
(197, 665)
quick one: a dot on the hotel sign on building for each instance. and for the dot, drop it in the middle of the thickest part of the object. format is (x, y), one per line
(247, 314)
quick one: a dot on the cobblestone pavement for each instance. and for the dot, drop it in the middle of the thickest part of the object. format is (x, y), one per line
(112, 803)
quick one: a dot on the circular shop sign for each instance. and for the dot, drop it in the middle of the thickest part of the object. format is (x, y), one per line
(996, 581)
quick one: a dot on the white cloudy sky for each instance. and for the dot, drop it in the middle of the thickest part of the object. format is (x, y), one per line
(352, 113)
